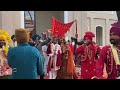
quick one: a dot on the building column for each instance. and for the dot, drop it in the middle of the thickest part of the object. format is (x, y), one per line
(81, 17)
(107, 31)
(93, 27)
(22, 19)
(70, 18)
(84, 23)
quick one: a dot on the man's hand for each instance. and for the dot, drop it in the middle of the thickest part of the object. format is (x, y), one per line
(105, 75)
(49, 31)
(94, 77)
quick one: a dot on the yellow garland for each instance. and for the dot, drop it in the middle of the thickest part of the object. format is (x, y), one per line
(5, 35)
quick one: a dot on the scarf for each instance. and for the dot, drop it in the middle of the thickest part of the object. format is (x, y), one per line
(70, 63)
(115, 55)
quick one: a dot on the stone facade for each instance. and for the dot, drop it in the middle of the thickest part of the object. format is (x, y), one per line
(102, 19)
(10, 20)
(90, 21)
(86, 21)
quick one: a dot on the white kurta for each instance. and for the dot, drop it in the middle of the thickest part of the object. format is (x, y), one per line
(45, 57)
(13, 44)
(54, 49)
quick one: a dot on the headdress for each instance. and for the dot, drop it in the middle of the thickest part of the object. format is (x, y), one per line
(89, 35)
(21, 35)
(115, 28)
(35, 36)
(6, 37)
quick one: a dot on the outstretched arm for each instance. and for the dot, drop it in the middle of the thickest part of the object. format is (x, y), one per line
(46, 41)
(80, 49)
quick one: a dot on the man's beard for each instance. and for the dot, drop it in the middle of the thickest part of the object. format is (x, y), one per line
(87, 43)
(2, 44)
(114, 41)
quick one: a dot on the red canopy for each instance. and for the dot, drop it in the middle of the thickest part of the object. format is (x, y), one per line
(59, 28)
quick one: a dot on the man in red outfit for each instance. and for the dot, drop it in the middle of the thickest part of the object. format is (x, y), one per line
(89, 51)
(110, 55)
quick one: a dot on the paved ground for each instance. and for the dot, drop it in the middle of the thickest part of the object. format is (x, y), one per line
(78, 73)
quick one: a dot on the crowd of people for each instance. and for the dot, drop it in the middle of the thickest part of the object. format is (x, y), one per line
(23, 56)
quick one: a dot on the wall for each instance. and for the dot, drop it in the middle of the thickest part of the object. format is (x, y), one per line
(44, 19)
(103, 19)
(10, 20)
(81, 17)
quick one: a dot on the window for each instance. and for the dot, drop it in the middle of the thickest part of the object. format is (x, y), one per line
(99, 35)
(29, 20)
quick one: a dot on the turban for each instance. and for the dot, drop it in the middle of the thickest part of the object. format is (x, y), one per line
(21, 35)
(35, 36)
(115, 28)
(89, 35)
(12, 37)
(6, 37)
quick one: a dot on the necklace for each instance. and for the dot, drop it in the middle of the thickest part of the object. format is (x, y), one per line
(89, 54)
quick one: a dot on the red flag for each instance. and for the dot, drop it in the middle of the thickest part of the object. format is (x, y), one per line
(59, 28)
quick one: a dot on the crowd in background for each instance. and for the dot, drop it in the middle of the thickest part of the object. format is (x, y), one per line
(26, 56)
(31, 56)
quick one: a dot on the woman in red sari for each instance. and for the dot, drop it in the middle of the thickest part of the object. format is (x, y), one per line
(67, 69)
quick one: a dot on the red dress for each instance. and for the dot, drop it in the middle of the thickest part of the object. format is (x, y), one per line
(72, 48)
(106, 56)
(88, 60)
(4, 67)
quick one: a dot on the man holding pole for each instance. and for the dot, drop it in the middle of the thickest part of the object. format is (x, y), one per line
(88, 53)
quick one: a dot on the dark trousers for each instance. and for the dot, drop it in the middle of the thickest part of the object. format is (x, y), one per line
(4, 77)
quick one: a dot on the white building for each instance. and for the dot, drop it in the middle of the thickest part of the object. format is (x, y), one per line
(99, 22)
